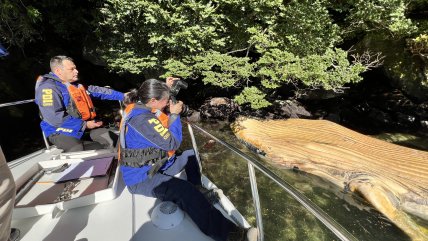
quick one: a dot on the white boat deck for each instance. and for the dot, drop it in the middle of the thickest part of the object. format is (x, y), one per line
(125, 218)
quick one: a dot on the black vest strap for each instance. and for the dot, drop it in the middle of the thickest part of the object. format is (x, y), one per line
(141, 157)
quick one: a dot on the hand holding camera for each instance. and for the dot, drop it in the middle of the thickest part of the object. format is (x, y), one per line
(170, 81)
(175, 108)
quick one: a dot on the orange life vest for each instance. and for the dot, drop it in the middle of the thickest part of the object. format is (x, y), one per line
(81, 101)
(80, 105)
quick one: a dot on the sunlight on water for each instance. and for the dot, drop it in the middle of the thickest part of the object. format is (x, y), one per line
(283, 217)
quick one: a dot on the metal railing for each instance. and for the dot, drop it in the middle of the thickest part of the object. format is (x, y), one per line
(323, 217)
(330, 223)
(16, 103)
(25, 102)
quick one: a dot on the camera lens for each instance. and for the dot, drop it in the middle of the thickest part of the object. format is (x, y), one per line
(185, 110)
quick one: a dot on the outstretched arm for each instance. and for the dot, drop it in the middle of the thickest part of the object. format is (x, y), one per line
(104, 93)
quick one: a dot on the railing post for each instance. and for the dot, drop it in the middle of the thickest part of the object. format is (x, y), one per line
(122, 108)
(256, 199)
(195, 147)
(46, 141)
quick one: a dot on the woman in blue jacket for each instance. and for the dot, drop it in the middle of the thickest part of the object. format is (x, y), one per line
(149, 161)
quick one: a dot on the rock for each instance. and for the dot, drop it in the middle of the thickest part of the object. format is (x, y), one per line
(424, 124)
(380, 117)
(422, 110)
(220, 108)
(320, 94)
(219, 101)
(390, 177)
(333, 117)
(194, 117)
(384, 110)
(405, 120)
(290, 109)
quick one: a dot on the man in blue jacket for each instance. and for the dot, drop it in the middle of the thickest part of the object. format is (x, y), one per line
(67, 111)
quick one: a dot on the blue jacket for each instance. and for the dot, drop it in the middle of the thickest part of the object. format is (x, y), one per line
(143, 132)
(52, 97)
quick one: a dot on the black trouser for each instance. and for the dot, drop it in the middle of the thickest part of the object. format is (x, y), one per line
(184, 193)
(98, 138)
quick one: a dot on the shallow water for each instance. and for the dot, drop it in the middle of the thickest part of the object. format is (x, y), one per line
(283, 217)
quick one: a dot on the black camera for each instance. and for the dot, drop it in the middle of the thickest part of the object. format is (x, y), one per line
(175, 88)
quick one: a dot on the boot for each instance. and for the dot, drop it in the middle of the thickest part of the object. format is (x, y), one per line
(14, 234)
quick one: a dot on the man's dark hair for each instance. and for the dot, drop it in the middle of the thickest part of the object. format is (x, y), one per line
(57, 61)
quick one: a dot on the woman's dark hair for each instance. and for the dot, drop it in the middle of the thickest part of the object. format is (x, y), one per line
(151, 88)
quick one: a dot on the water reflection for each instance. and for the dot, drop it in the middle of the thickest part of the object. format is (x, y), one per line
(283, 217)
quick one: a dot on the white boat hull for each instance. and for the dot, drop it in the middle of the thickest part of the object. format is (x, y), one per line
(113, 215)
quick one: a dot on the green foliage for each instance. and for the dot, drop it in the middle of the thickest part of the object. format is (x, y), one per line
(305, 27)
(329, 71)
(157, 31)
(247, 45)
(131, 62)
(255, 46)
(17, 22)
(221, 69)
(178, 68)
(419, 45)
(254, 96)
(277, 67)
(213, 68)
(178, 29)
(375, 15)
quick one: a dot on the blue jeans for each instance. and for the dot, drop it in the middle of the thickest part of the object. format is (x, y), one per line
(184, 193)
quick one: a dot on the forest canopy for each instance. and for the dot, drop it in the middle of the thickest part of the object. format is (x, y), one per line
(251, 46)
(254, 46)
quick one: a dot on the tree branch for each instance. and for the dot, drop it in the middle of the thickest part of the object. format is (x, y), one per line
(368, 59)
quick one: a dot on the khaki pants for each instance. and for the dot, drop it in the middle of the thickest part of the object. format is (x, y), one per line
(7, 198)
